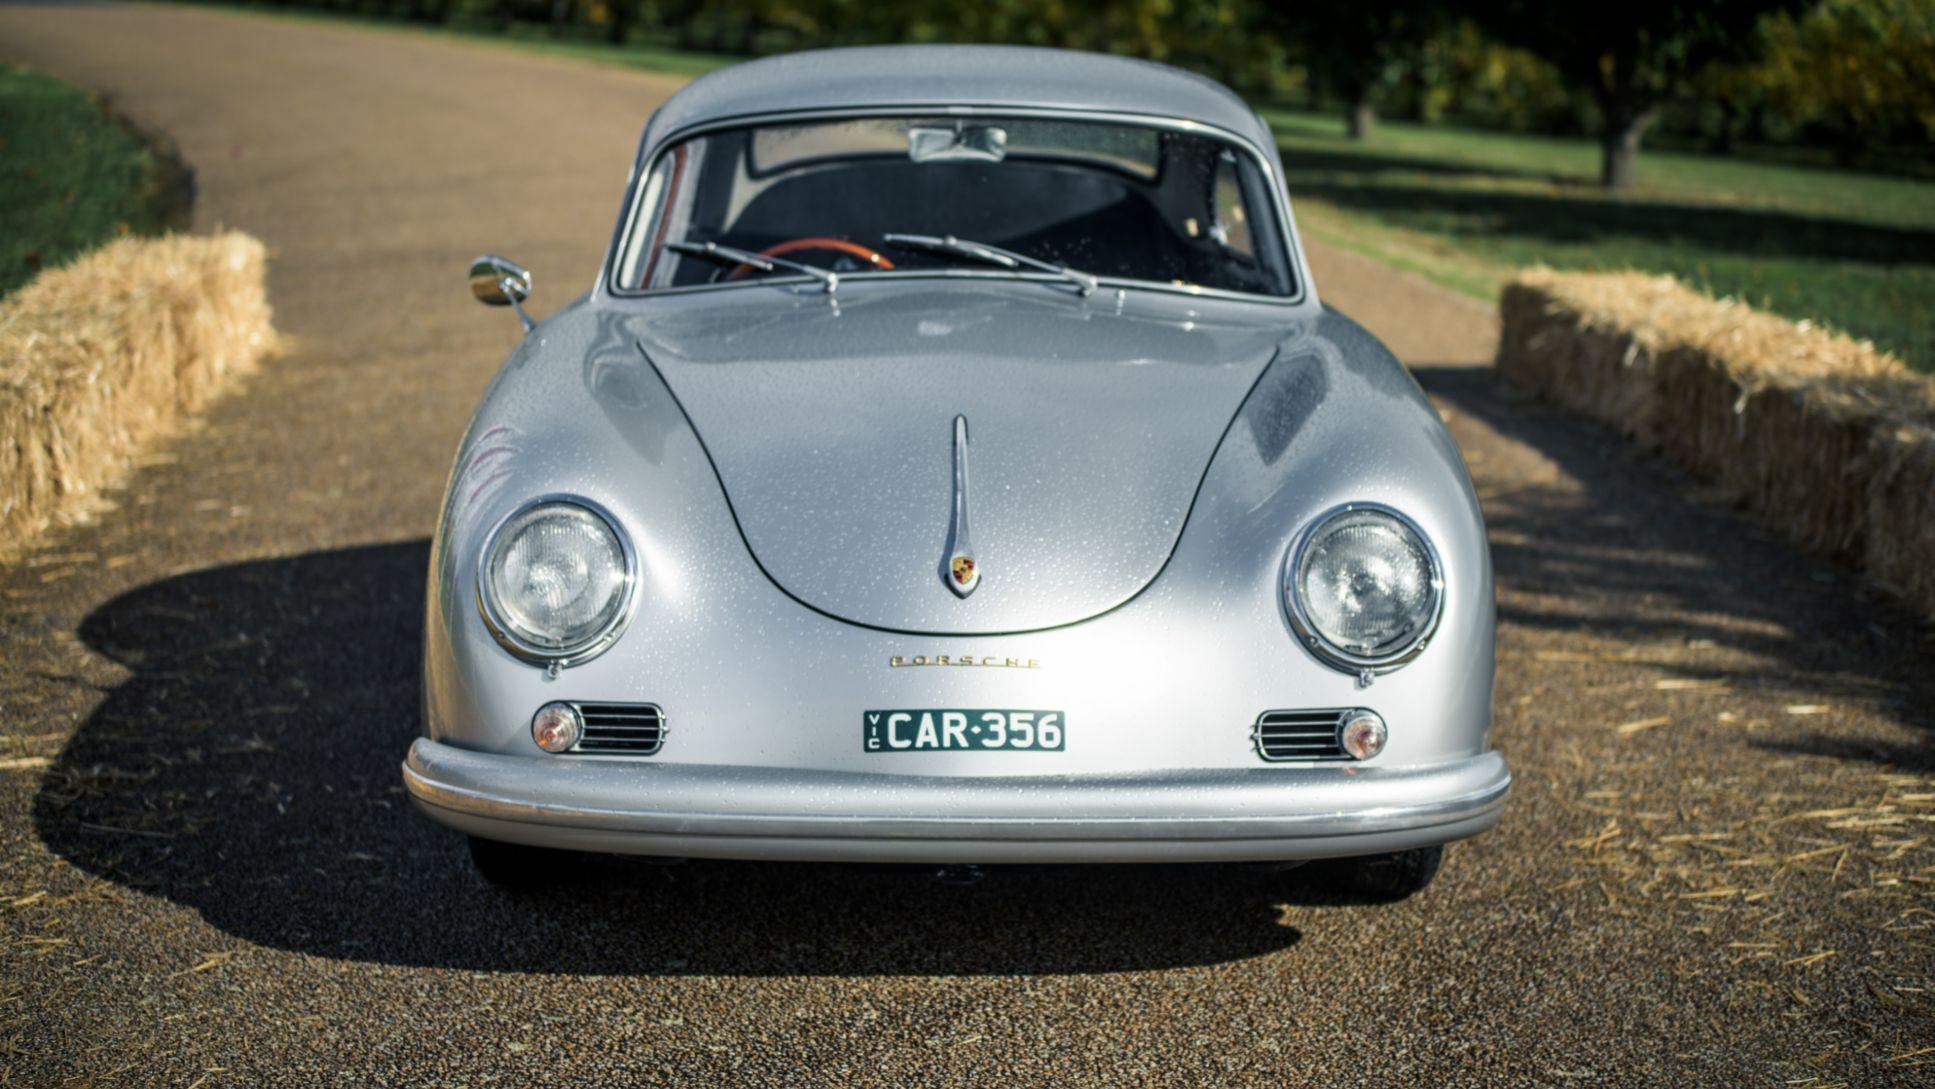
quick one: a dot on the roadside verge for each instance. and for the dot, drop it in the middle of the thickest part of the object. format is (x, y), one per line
(1827, 438)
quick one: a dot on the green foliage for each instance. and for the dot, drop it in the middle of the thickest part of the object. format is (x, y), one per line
(1462, 74)
(1635, 54)
(1865, 65)
(1855, 78)
(1852, 74)
(1629, 57)
(1355, 47)
(70, 178)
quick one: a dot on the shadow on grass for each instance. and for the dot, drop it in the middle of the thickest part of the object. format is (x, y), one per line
(249, 769)
(1617, 546)
(1583, 218)
(1308, 168)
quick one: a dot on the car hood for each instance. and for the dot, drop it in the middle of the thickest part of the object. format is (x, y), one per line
(830, 423)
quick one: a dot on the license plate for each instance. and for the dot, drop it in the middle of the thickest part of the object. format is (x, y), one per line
(948, 730)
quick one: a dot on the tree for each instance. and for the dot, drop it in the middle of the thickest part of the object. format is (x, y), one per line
(618, 15)
(1355, 47)
(1629, 57)
(1866, 67)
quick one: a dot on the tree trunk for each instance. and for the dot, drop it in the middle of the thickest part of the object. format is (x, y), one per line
(1722, 142)
(1363, 117)
(1625, 124)
(1847, 143)
(1757, 124)
(748, 35)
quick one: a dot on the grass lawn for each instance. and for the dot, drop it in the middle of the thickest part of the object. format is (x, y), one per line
(1852, 251)
(70, 178)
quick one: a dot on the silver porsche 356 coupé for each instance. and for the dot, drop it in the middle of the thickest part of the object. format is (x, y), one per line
(953, 463)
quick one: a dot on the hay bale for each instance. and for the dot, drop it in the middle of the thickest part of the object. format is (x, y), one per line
(1524, 355)
(1797, 457)
(1699, 421)
(1557, 353)
(104, 355)
(1821, 433)
(1900, 550)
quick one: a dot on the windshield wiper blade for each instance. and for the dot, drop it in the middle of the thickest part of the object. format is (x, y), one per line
(730, 255)
(993, 255)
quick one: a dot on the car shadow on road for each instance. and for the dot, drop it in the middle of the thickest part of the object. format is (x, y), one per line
(248, 769)
(1623, 545)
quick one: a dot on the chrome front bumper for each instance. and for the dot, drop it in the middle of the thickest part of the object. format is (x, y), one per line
(711, 811)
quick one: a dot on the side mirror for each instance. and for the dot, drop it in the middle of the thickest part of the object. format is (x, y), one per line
(499, 281)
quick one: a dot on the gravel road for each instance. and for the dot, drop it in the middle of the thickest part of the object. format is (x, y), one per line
(1716, 867)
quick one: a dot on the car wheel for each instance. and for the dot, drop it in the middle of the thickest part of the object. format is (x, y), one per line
(515, 866)
(1394, 876)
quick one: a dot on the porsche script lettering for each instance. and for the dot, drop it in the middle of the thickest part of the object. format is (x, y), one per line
(989, 660)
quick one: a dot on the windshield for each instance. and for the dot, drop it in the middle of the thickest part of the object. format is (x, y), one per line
(1117, 201)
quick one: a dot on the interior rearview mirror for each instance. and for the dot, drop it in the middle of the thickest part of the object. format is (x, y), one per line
(974, 143)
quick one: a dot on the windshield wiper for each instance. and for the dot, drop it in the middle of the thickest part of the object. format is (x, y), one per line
(729, 255)
(993, 255)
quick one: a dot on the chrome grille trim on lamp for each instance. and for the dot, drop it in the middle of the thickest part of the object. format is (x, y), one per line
(1300, 735)
(629, 729)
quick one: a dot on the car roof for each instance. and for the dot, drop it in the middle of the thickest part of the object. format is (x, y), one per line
(901, 76)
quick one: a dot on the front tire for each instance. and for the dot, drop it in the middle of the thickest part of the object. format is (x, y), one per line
(1394, 876)
(517, 867)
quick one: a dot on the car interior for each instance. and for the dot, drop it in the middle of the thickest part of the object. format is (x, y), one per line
(1187, 210)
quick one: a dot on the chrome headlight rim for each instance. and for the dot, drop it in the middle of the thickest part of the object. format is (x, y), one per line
(586, 649)
(1313, 640)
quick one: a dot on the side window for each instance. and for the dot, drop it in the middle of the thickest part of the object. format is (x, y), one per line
(1229, 218)
(636, 268)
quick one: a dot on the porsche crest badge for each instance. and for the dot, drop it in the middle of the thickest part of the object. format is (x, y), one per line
(961, 572)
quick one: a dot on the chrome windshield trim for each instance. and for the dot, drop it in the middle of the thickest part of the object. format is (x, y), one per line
(990, 274)
(627, 233)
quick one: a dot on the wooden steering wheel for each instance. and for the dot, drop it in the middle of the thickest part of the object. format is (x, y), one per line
(872, 257)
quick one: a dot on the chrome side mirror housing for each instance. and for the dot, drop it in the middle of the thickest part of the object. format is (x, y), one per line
(500, 281)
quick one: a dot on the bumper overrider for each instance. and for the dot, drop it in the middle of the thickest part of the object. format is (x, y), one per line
(715, 811)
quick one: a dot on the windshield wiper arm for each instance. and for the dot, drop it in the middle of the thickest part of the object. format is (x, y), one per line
(993, 255)
(729, 255)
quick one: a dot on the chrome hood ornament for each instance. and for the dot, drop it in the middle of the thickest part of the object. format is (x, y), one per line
(961, 572)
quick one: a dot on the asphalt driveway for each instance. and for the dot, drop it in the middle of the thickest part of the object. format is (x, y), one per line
(1716, 867)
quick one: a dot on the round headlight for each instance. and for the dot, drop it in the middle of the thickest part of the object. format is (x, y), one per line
(556, 581)
(1364, 589)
